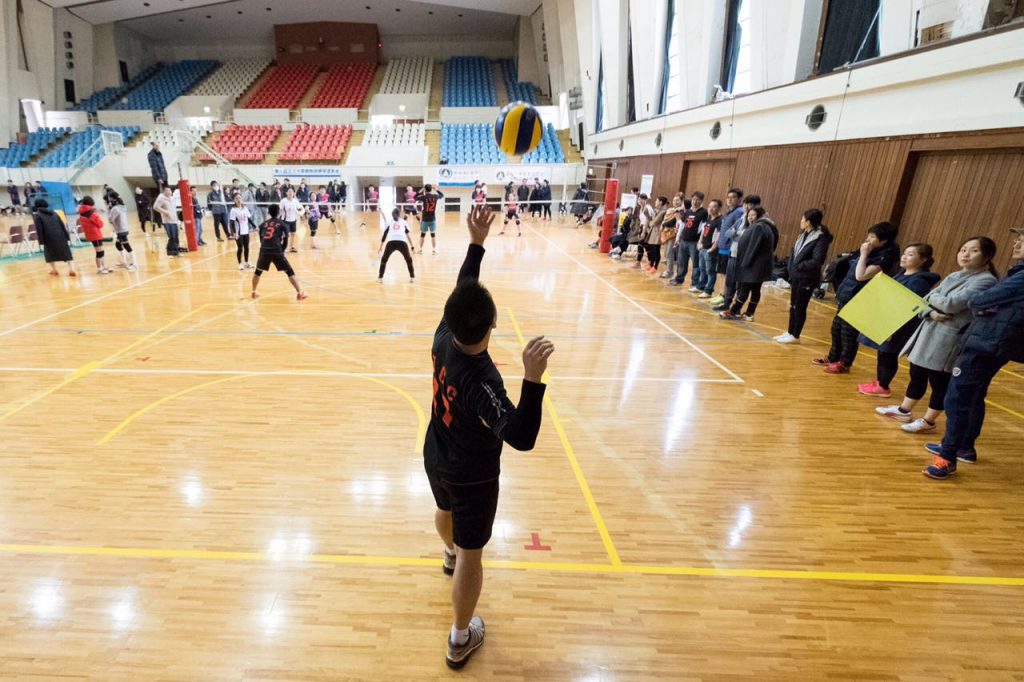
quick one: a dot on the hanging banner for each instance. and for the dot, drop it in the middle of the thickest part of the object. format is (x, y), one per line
(466, 176)
(307, 171)
(646, 184)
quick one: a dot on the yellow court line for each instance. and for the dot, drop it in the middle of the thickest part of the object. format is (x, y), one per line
(609, 546)
(548, 567)
(420, 416)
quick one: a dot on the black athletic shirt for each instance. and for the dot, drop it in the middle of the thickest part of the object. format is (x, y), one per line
(691, 224)
(430, 205)
(471, 413)
(707, 235)
(273, 236)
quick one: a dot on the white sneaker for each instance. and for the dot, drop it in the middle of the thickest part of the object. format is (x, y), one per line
(704, 295)
(132, 268)
(788, 339)
(693, 289)
(241, 267)
(412, 280)
(616, 256)
(380, 280)
(918, 426)
(893, 412)
(664, 275)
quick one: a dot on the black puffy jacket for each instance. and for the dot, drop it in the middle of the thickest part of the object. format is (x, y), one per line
(998, 325)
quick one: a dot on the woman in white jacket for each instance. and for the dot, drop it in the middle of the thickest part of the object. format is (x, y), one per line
(240, 218)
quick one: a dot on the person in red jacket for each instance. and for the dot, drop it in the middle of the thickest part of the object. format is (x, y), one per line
(91, 222)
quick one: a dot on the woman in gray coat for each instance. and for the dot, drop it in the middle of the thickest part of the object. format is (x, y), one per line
(934, 346)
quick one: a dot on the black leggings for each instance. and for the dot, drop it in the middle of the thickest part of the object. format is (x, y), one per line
(640, 251)
(888, 364)
(799, 299)
(920, 377)
(242, 248)
(745, 289)
(402, 248)
(121, 242)
(844, 342)
(654, 255)
(547, 210)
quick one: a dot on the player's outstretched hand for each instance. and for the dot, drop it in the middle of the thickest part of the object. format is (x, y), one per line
(535, 358)
(479, 222)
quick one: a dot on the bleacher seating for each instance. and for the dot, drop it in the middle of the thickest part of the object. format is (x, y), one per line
(517, 91)
(75, 145)
(469, 82)
(284, 87)
(103, 98)
(244, 143)
(411, 76)
(232, 78)
(22, 152)
(317, 143)
(549, 150)
(167, 85)
(165, 136)
(470, 143)
(400, 134)
(345, 87)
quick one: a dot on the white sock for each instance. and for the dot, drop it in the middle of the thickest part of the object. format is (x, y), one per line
(459, 637)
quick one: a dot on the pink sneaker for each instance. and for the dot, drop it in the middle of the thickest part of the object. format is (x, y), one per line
(874, 389)
(837, 368)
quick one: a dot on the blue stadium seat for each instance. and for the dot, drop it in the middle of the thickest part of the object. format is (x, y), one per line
(517, 92)
(549, 150)
(103, 98)
(465, 143)
(166, 85)
(468, 82)
(75, 145)
(22, 152)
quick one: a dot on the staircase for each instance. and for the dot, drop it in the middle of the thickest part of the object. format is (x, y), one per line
(271, 159)
(436, 93)
(572, 155)
(433, 140)
(313, 90)
(356, 139)
(43, 152)
(498, 76)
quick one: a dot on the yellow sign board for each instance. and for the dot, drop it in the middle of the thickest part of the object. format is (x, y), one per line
(882, 307)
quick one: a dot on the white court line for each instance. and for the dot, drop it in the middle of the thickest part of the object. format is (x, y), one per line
(691, 344)
(320, 373)
(757, 393)
(100, 298)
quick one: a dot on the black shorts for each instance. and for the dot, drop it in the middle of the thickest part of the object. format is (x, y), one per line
(97, 243)
(291, 225)
(473, 507)
(279, 261)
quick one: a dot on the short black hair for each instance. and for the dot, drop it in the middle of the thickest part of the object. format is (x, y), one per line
(814, 216)
(699, 195)
(687, 204)
(470, 312)
(273, 210)
(885, 231)
(88, 200)
(752, 200)
(758, 211)
(737, 191)
(42, 203)
(428, 187)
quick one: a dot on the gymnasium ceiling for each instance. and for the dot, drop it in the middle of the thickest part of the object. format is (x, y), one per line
(236, 19)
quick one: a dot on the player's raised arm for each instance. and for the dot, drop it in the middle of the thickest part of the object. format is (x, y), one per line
(479, 224)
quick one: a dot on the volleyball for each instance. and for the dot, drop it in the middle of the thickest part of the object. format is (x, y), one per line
(518, 129)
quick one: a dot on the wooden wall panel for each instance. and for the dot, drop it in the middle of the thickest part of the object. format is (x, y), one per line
(939, 188)
(860, 187)
(958, 195)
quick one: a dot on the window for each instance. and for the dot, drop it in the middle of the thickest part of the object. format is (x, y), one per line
(124, 70)
(736, 69)
(69, 91)
(599, 123)
(671, 83)
(851, 34)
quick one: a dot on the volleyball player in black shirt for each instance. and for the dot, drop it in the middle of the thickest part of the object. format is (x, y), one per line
(471, 417)
(428, 198)
(273, 241)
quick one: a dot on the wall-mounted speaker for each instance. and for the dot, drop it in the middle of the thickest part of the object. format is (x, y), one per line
(71, 66)
(1019, 92)
(716, 130)
(657, 140)
(67, 35)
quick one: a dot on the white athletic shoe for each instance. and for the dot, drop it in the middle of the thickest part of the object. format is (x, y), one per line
(412, 280)
(893, 412)
(132, 268)
(693, 290)
(787, 338)
(380, 280)
(241, 267)
(919, 425)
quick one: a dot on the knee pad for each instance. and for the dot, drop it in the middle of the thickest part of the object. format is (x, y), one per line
(99, 253)
(127, 247)
(117, 245)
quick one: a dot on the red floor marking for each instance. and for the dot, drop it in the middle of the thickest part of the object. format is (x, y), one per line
(535, 537)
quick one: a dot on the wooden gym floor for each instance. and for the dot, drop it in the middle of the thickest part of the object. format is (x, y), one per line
(197, 486)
